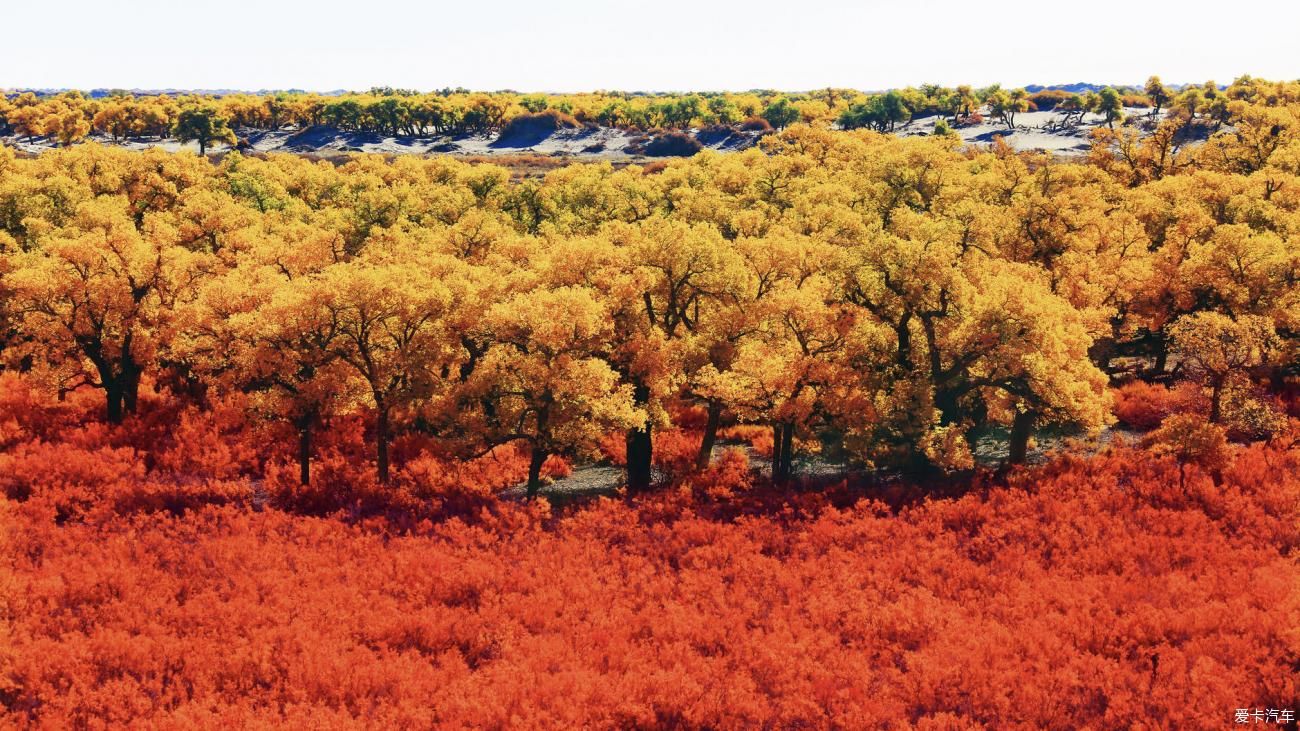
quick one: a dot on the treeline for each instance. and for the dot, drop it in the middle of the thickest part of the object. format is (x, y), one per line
(72, 116)
(963, 104)
(886, 297)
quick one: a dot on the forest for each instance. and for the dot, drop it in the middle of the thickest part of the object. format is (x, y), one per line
(259, 414)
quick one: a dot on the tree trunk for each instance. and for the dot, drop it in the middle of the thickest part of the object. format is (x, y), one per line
(1277, 378)
(903, 355)
(130, 390)
(1162, 358)
(787, 451)
(776, 452)
(1021, 427)
(710, 435)
(304, 451)
(381, 443)
(639, 453)
(535, 470)
(640, 447)
(113, 394)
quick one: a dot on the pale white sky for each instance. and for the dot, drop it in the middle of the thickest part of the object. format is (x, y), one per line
(582, 45)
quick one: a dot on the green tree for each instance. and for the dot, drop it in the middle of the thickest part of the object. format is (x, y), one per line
(1110, 105)
(780, 113)
(1006, 105)
(203, 125)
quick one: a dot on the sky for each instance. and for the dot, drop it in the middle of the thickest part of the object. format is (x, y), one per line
(585, 45)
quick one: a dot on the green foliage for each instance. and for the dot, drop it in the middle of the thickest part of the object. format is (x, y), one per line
(780, 113)
(203, 125)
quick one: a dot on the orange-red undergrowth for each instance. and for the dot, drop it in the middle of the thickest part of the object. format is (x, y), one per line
(178, 583)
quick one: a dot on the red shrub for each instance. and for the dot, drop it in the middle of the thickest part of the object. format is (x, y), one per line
(613, 449)
(30, 413)
(999, 609)
(557, 467)
(101, 484)
(675, 450)
(728, 475)
(132, 597)
(1142, 406)
(212, 443)
(758, 437)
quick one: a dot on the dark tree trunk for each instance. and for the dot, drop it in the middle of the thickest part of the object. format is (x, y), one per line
(1277, 378)
(782, 450)
(787, 451)
(304, 451)
(639, 454)
(1162, 358)
(113, 394)
(710, 435)
(903, 329)
(130, 390)
(776, 452)
(640, 447)
(946, 401)
(535, 470)
(1021, 427)
(381, 443)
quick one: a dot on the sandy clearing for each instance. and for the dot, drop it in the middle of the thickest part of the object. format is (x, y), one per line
(1033, 131)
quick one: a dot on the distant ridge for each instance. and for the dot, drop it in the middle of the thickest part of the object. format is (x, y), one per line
(1078, 87)
(103, 93)
(1083, 87)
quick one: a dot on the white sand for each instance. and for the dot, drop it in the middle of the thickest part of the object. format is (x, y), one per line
(1033, 131)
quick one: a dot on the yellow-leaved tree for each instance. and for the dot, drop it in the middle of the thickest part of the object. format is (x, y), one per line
(1217, 349)
(95, 298)
(390, 326)
(545, 379)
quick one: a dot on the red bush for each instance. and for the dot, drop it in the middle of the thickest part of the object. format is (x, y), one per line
(675, 450)
(758, 437)
(138, 597)
(1142, 406)
(728, 475)
(1000, 609)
